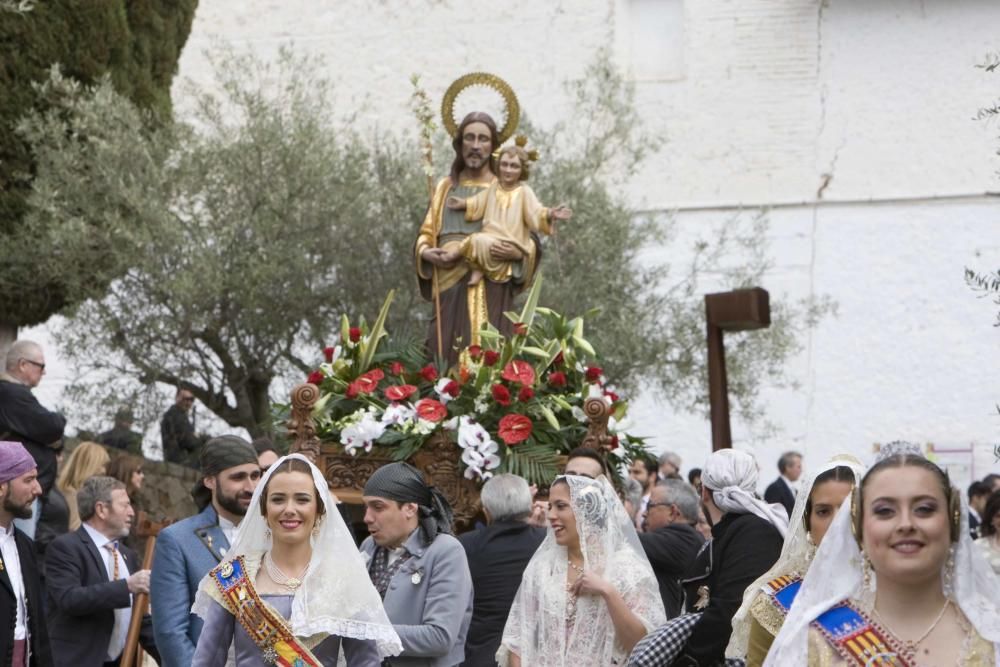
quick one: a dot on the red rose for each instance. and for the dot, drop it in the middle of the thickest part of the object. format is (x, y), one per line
(354, 333)
(594, 374)
(368, 382)
(501, 394)
(328, 353)
(514, 428)
(431, 410)
(490, 357)
(352, 390)
(451, 389)
(612, 395)
(396, 368)
(475, 351)
(520, 328)
(557, 379)
(525, 395)
(316, 378)
(400, 392)
(429, 373)
(519, 371)
(559, 360)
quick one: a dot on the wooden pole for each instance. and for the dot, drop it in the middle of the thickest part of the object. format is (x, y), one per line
(132, 654)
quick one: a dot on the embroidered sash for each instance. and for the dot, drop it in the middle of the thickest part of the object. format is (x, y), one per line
(268, 630)
(857, 639)
(782, 591)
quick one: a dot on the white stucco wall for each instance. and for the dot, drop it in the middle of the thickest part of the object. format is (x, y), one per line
(761, 102)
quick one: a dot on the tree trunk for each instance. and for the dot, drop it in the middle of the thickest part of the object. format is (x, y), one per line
(8, 334)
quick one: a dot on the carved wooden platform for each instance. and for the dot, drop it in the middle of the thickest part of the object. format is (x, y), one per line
(439, 459)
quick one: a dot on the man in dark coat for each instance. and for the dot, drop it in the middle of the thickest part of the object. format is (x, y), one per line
(24, 420)
(24, 639)
(670, 540)
(91, 578)
(122, 436)
(498, 553)
(784, 489)
(180, 444)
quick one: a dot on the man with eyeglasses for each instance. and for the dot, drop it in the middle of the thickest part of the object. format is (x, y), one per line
(180, 444)
(24, 420)
(671, 542)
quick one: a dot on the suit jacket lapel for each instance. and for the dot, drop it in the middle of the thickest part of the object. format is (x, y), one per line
(92, 550)
(210, 534)
(4, 577)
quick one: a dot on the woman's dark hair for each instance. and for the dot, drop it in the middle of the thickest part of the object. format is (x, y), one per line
(291, 465)
(693, 474)
(588, 453)
(838, 474)
(989, 513)
(122, 467)
(952, 497)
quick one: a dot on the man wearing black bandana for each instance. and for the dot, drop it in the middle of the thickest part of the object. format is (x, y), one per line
(417, 566)
(188, 549)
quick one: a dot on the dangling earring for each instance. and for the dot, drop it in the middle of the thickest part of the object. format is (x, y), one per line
(949, 573)
(267, 534)
(315, 530)
(866, 571)
(810, 546)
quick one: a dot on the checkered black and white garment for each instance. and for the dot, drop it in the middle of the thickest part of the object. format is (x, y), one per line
(662, 646)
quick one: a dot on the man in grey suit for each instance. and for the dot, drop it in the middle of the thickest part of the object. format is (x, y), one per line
(187, 550)
(418, 568)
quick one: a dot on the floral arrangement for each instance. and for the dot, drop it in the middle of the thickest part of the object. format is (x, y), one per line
(511, 405)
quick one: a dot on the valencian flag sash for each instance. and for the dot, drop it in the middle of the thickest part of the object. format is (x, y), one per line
(857, 639)
(267, 628)
(782, 591)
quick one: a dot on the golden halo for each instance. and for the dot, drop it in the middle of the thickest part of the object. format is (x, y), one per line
(512, 108)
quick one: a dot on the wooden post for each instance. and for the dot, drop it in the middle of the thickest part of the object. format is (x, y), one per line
(739, 310)
(132, 654)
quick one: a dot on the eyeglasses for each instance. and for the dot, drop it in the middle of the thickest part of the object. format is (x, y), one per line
(35, 363)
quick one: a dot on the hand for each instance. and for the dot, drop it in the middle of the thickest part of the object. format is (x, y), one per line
(561, 212)
(505, 251)
(590, 583)
(455, 204)
(139, 582)
(437, 257)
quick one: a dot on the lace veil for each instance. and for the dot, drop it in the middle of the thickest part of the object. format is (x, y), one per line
(796, 554)
(336, 596)
(539, 629)
(836, 574)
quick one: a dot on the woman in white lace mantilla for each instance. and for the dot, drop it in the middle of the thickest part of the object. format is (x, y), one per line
(293, 588)
(895, 581)
(588, 594)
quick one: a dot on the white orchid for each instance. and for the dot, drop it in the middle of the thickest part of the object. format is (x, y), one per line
(398, 414)
(362, 434)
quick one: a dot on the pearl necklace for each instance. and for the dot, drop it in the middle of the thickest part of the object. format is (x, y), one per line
(279, 577)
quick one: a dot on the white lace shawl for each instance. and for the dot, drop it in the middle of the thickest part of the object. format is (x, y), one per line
(796, 555)
(336, 596)
(836, 575)
(537, 628)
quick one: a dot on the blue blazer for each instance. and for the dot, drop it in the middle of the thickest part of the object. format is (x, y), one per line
(185, 552)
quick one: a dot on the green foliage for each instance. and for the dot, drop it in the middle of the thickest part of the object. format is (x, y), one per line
(987, 284)
(136, 43)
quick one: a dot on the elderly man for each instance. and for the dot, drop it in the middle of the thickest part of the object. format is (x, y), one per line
(24, 420)
(784, 489)
(671, 541)
(670, 465)
(91, 577)
(747, 536)
(188, 549)
(498, 554)
(22, 618)
(417, 567)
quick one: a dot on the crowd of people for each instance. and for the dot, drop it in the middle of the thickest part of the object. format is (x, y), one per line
(846, 565)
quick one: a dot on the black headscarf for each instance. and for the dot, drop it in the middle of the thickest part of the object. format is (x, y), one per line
(405, 484)
(226, 451)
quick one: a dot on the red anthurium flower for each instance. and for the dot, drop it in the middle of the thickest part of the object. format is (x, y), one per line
(520, 328)
(429, 373)
(316, 378)
(514, 428)
(368, 382)
(396, 368)
(501, 394)
(557, 379)
(519, 371)
(352, 390)
(328, 353)
(490, 357)
(594, 374)
(475, 351)
(354, 333)
(400, 392)
(526, 394)
(431, 410)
